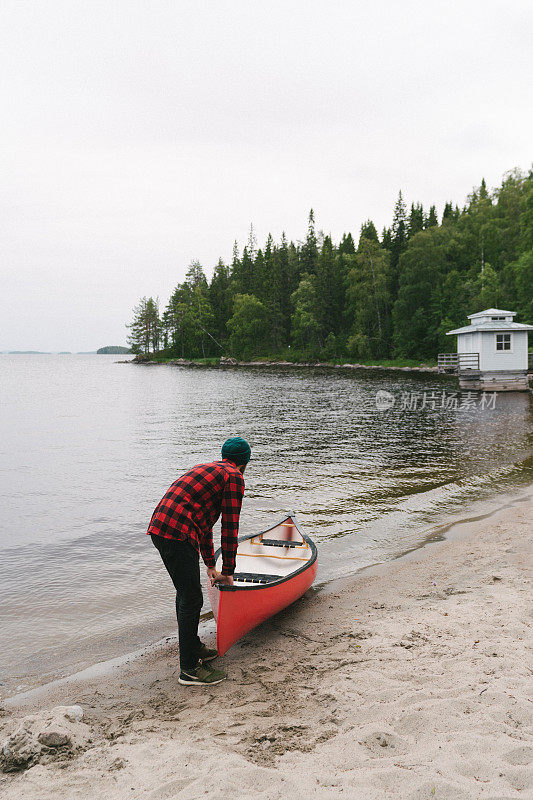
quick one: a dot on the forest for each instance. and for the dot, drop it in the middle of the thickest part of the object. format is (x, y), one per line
(377, 296)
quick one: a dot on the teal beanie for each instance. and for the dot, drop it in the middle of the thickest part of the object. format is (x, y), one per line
(237, 450)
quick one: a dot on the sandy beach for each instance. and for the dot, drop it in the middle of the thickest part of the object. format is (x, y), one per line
(409, 680)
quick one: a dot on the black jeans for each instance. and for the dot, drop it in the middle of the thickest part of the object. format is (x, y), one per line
(183, 565)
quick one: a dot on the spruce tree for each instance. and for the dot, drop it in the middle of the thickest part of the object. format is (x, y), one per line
(368, 231)
(246, 276)
(431, 219)
(252, 243)
(236, 268)
(386, 239)
(447, 214)
(221, 300)
(416, 220)
(288, 284)
(330, 290)
(259, 279)
(398, 244)
(347, 246)
(276, 296)
(294, 267)
(309, 251)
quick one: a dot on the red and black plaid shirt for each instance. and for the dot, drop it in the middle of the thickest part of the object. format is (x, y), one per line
(193, 504)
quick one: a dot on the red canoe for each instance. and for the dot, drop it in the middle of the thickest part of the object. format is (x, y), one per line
(273, 569)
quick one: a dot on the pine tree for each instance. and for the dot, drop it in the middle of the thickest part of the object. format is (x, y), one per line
(189, 317)
(146, 327)
(176, 321)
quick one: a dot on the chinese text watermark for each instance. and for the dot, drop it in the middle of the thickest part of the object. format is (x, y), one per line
(432, 400)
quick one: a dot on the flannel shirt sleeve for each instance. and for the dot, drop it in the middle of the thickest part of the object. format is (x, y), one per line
(205, 542)
(231, 509)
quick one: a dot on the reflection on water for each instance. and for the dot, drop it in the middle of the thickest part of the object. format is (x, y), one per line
(88, 446)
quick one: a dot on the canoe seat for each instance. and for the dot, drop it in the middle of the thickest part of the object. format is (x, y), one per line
(255, 577)
(279, 543)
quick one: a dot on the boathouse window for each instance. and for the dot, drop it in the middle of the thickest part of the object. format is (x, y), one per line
(503, 341)
(494, 319)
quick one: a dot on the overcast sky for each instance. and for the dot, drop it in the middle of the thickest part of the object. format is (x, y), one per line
(137, 136)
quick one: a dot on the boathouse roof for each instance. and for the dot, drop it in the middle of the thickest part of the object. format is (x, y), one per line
(492, 312)
(492, 319)
(492, 326)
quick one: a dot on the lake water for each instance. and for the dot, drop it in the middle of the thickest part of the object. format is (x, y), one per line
(89, 445)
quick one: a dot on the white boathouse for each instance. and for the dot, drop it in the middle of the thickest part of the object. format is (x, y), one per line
(492, 352)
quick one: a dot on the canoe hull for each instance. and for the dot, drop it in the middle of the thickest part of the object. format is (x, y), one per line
(236, 614)
(238, 609)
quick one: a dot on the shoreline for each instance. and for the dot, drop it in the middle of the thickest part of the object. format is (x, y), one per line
(448, 528)
(225, 362)
(405, 680)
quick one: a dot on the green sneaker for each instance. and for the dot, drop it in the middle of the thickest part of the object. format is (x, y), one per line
(203, 676)
(206, 654)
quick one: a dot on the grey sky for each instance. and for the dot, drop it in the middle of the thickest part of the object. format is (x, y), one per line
(137, 136)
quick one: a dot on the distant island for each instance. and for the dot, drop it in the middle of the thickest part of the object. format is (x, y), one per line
(109, 350)
(114, 350)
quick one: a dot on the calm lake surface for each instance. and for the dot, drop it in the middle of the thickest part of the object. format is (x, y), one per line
(88, 446)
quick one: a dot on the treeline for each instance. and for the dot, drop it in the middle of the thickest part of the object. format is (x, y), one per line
(392, 295)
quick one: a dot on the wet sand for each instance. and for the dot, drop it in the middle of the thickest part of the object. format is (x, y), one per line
(408, 680)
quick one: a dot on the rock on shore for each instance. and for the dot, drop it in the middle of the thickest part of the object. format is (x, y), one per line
(229, 361)
(44, 737)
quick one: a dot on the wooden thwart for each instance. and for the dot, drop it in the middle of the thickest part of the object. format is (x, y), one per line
(270, 555)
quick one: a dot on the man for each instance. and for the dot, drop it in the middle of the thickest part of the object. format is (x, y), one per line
(181, 527)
